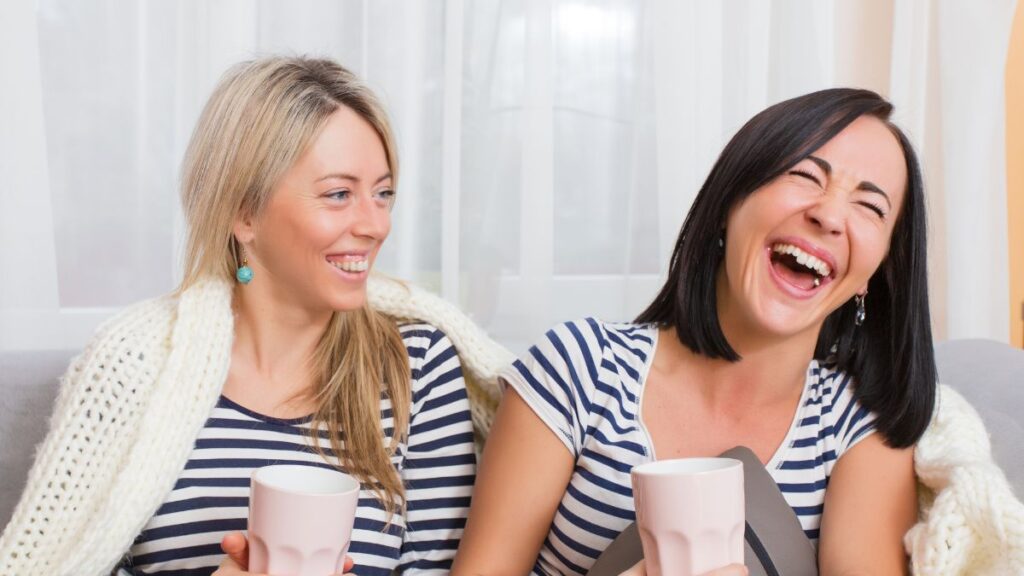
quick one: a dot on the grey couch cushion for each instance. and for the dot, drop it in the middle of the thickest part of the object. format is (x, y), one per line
(28, 387)
(990, 375)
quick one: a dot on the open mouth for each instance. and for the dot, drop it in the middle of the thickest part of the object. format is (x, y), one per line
(350, 264)
(798, 268)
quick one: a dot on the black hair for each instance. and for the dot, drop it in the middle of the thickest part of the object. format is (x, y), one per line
(891, 356)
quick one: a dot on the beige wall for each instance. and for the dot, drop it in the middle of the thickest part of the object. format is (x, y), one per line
(863, 32)
(1015, 174)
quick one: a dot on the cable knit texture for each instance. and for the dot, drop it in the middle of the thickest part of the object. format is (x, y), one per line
(971, 522)
(132, 403)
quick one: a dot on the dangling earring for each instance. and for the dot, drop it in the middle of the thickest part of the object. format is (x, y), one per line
(861, 312)
(721, 240)
(244, 273)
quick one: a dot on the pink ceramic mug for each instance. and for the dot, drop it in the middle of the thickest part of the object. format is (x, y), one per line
(689, 513)
(300, 520)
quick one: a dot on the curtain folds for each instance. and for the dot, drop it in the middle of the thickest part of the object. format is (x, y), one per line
(549, 148)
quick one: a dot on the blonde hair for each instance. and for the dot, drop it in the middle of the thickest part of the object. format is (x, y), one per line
(260, 119)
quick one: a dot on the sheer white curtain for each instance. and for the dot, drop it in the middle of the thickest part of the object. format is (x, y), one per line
(948, 76)
(549, 149)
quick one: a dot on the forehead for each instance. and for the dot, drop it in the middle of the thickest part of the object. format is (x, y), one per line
(867, 150)
(346, 143)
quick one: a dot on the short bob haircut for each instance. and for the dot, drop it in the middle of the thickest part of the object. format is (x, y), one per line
(891, 356)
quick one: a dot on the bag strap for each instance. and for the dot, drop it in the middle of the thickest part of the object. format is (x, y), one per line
(775, 543)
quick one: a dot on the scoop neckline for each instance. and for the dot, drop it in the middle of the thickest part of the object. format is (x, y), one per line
(777, 457)
(226, 402)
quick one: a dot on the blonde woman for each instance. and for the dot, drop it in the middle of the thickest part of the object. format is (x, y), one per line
(267, 353)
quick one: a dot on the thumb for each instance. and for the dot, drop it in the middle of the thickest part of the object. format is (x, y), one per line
(237, 548)
(638, 569)
(346, 566)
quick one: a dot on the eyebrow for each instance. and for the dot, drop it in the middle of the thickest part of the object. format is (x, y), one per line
(350, 177)
(864, 186)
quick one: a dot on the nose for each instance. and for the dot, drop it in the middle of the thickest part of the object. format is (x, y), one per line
(828, 214)
(373, 220)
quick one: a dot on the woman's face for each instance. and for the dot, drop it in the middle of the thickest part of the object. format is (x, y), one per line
(805, 243)
(320, 232)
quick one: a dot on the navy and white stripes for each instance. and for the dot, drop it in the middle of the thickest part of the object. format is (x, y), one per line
(585, 381)
(437, 465)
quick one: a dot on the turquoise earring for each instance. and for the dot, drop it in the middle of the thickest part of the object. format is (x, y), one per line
(244, 273)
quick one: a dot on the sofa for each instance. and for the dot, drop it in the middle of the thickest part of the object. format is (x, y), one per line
(990, 375)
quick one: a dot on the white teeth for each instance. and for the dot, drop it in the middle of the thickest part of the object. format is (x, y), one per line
(351, 265)
(804, 259)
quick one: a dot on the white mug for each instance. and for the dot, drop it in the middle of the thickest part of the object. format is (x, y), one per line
(690, 514)
(300, 520)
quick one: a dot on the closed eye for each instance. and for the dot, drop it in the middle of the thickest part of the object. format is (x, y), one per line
(807, 175)
(874, 208)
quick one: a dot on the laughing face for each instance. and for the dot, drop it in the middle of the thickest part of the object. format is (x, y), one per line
(316, 240)
(802, 245)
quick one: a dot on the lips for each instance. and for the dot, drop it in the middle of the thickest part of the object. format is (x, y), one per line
(799, 268)
(351, 263)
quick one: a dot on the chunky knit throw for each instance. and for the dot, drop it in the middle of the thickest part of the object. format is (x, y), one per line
(970, 523)
(131, 405)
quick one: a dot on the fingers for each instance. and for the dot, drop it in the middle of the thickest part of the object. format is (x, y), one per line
(635, 570)
(349, 563)
(730, 570)
(237, 548)
(229, 567)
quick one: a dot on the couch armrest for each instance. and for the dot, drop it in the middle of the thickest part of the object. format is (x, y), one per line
(990, 375)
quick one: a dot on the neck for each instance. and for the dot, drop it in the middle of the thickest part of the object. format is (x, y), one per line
(769, 371)
(275, 337)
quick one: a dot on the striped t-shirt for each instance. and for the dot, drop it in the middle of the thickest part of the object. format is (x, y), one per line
(437, 465)
(585, 381)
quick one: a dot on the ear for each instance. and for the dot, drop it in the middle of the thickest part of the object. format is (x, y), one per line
(863, 291)
(244, 229)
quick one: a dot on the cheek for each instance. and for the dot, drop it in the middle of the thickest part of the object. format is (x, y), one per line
(291, 236)
(871, 252)
(319, 230)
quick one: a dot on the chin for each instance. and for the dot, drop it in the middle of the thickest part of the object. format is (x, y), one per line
(347, 302)
(785, 325)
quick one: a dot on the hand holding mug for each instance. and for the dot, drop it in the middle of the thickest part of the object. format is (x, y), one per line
(237, 562)
(300, 520)
(730, 570)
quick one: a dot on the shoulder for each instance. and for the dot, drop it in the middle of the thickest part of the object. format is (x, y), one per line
(578, 356)
(433, 360)
(843, 418)
(122, 359)
(424, 343)
(422, 336)
(591, 340)
(142, 327)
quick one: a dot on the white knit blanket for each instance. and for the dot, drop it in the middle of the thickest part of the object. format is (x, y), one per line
(132, 403)
(971, 523)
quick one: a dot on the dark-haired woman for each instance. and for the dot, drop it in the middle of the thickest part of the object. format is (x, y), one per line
(794, 322)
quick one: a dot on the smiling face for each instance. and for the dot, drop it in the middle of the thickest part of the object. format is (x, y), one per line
(802, 245)
(319, 234)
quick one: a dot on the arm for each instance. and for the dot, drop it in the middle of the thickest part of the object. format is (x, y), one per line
(870, 504)
(523, 476)
(440, 462)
